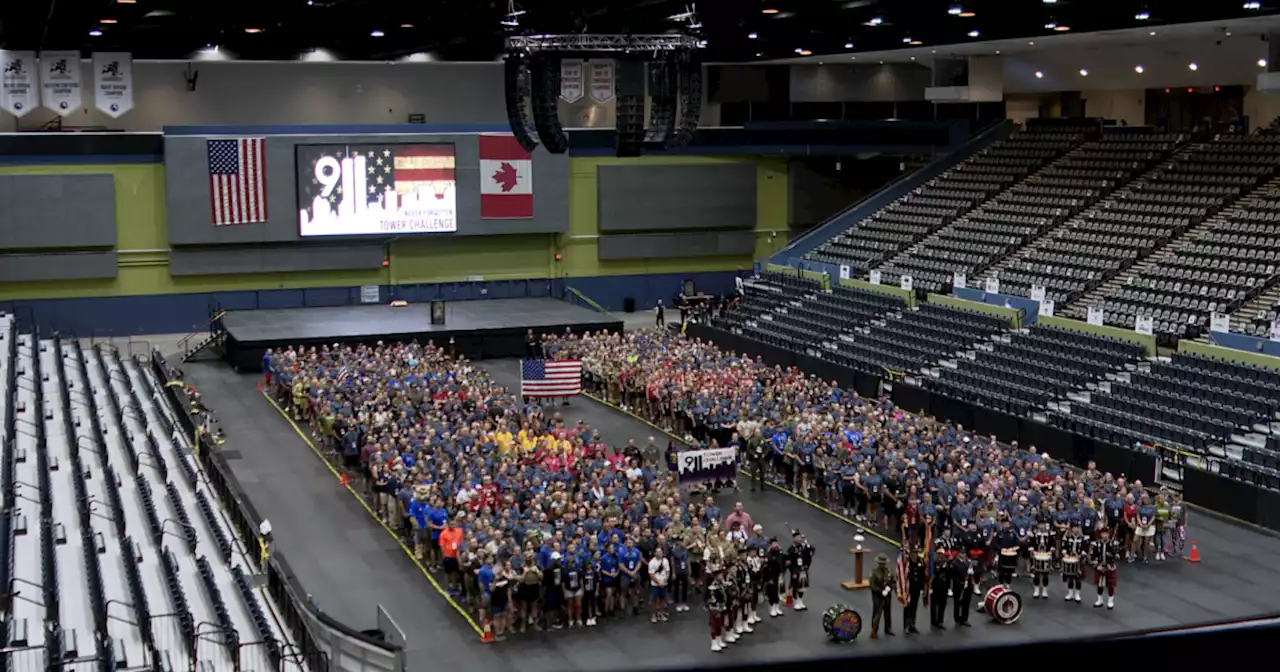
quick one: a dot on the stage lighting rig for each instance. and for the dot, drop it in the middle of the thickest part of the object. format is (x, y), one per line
(663, 68)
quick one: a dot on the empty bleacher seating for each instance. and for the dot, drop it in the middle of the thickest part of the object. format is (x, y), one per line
(907, 341)
(95, 580)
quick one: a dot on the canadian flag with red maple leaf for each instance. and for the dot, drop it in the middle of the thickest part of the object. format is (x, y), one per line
(506, 178)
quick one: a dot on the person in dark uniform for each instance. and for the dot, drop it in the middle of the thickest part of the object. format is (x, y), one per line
(532, 348)
(774, 564)
(916, 580)
(881, 586)
(1041, 547)
(660, 312)
(757, 455)
(939, 587)
(799, 560)
(1074, 548)
(1104, 554)
(961, 572)
(717, 602)
(1008, 545)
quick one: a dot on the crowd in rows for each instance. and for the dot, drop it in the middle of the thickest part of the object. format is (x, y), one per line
(536, 522)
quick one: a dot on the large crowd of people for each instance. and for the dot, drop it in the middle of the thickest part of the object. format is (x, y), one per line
(535, 522)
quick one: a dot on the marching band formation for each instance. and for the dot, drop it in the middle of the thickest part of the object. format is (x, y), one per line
(740, 570)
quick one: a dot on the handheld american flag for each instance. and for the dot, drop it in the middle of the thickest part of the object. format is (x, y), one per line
(901, 576)
(238, 180)
(550, 378)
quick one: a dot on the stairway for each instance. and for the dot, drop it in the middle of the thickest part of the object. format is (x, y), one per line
(1064, 230)
(1079, 308)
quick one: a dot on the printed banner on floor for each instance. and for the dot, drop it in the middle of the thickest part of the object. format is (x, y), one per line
(699, 467)
(572, 83)
(602, 81)
(61, 81)
(19, 86)
(113, 83)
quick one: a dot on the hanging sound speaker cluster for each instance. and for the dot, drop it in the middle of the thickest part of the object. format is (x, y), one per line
(516, 91)
(690, 69)
(630, 107)
(546, 111)
(664, 76)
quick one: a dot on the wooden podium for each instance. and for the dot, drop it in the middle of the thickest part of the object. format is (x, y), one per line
(858, 581)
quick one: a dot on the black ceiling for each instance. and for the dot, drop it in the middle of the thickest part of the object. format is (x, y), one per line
(472, 29)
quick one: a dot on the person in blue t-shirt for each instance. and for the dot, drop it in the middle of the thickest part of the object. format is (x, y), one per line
(437, 516)
(629, 559)
(484, 577)
(609, 578)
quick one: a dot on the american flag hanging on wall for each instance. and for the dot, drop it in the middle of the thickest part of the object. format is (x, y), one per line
(550, 378)
(237, 180)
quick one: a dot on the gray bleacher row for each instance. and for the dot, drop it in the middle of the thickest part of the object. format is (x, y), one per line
(1097, 386)
(118, 557)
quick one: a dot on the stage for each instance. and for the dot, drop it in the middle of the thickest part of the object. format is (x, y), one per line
(482, 329)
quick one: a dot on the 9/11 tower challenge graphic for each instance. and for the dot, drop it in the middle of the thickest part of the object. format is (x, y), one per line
(352, 190)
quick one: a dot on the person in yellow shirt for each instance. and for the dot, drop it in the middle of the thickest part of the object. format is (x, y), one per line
(503, 438)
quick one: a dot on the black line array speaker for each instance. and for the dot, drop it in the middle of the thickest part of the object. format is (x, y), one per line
(690, 68)
(664, 76)
(630, 94)
(517, 92)
(546, 111)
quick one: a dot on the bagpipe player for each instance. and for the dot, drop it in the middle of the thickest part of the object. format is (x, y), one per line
(799, 560)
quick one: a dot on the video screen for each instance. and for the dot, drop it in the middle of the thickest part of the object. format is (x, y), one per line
(387, 189)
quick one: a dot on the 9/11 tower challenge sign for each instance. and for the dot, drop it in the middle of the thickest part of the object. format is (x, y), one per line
(696, 468)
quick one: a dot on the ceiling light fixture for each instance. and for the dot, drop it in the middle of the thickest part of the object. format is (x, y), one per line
(1193, 66)
(875, 21)
(768, 11)
(1050, 2)
(1032, 43)
(967, 15)
(406, 25)
(752, 36)
(1061, 28)
(913, 58)
(1139, 69)
(377, 33)
(1050, 26)
(806, 52)
(973, 33)
(916, 43)
(1084, 73)
(1253, 5)
(906, 40)
(108, 21)
(95, 33)
(127, 2)
(955, 10)
(848, 45)
(1262, 62)
(253, 31)
(1039, 75)
(1142, 16)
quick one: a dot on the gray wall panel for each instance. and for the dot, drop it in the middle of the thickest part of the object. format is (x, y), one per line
(54, 266)
(274, 259)
(51, 211)
(895, 82)
(695, 196)
(187, 190)
(661, 245)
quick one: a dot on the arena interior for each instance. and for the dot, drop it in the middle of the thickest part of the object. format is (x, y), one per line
(368, 336)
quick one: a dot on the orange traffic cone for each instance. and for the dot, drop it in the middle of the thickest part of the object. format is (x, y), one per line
(791, 602)
(344, 480)
(1195, 553)
(487, 637)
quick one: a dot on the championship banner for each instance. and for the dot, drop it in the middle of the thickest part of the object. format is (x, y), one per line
(696, 468)
(572, 80)
(602, 81)
(18, 84)
(60, 81)
(113, 83)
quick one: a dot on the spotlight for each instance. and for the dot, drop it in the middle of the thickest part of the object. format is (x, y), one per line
(1039, 75)
(955, 11)
(973, 33)
(1050, 26)
(1262, 62)
(377, 33)
(848, 45)
(1142, 16)
(906, 40)
(1193, 66)
(95, 33)
(1139, 69)
(752, 36)
(1084, 73)
(875, 21)
(1253, 5)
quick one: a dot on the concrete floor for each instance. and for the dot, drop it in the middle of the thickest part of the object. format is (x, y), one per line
(351, 565)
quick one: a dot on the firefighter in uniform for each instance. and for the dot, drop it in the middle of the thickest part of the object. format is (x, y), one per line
(916, 580)
(799, 559)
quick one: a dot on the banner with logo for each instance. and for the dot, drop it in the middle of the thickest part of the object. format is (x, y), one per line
(1095, 316)
(19, 85)
(875, 277)
(1219, 322)
(696, 468)
(1037, 292)
(844, 272)
(906, 282)
(1046, 308)
(113, 83)
(61, 85)
(602, 81)
(572, 80)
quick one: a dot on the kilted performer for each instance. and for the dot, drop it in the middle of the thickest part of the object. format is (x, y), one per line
(755, 579)
(717, 602)
(1104, 554)
(1041, 559)
(1007, 544)
(1074, 548)
(799, 559)
(733, 627)
(774, 566)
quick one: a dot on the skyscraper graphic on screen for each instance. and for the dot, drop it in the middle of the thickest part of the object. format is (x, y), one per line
(379, 189)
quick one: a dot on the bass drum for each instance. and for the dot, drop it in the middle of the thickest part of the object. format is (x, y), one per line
(1004, 605)
(842, 624)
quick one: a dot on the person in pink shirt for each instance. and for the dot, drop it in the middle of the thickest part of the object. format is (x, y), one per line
(739, 516)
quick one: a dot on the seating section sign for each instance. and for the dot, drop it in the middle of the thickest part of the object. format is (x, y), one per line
(1144, 324)
(1220, 322)
(958, 279)
(1095, 315)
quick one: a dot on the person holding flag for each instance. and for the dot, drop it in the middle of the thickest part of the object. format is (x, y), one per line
(882, 582)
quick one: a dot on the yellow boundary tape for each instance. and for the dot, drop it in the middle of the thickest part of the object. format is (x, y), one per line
(864, 528)
(365, 505)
